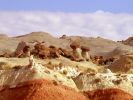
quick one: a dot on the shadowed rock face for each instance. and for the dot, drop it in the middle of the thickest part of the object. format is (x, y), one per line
(40, 90)
(109, 94)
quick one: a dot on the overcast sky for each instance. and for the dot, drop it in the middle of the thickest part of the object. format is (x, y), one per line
(111, 19)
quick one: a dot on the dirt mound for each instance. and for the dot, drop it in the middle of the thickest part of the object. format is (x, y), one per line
(40, 90)
(123, 64)
(109, 94)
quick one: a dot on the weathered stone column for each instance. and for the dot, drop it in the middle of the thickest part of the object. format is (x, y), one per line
(85, 53)
(77, 52)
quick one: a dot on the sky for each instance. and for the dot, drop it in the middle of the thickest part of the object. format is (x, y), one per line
(115, 6)
(112, 19)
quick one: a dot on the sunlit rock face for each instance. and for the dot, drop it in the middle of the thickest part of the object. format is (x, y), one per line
(16, 75)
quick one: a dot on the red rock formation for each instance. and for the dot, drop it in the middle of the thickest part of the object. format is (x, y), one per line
(40, 90)
(109, 94)
(54, 52)
(41, 51)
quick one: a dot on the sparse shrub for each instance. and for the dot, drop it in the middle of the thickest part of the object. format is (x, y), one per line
(89, 70)
(17, 67)
(55, 82)
(97, 80)
(117, 82)
(64, 72)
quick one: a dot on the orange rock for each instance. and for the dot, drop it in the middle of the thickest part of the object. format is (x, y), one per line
(40, 90)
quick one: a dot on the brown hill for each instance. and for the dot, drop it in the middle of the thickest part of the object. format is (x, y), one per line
(98, 46)
(41, 37)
